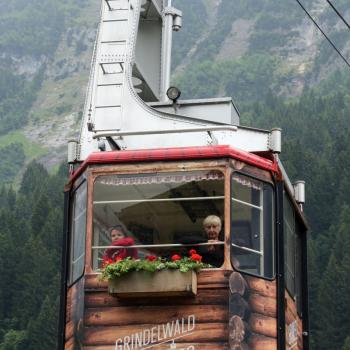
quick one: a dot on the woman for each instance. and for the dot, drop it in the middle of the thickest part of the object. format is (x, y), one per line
(212, 254)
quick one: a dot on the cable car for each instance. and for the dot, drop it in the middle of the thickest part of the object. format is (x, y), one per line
(175, 179)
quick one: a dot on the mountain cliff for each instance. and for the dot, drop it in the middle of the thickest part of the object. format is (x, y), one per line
(225, 48)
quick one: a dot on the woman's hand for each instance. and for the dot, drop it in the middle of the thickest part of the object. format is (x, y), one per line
(211, 248)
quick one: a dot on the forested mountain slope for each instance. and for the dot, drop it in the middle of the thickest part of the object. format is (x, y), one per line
(266, 54)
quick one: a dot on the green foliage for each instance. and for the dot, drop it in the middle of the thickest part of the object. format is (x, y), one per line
(14, 340)
(316, 149)
(29, 260)
(334, 289)
(152, 264)
(12, 161)
(32, 179)
(346, 345)
(28, 28)
(243, 78)
(327, 54)
(194, 20)
(46, 320)
(16, 97)
(31, 150)
(34, 27)
(263, 41)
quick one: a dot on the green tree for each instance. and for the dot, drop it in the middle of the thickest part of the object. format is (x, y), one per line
(333, 323)
(15, 340)
(42, 331)
(346, 345)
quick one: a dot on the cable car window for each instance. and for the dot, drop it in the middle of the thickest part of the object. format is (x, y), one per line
(289, 246)
(252, 226)
(77, 230)
(157, 214)
(293, 253)
(299, 269)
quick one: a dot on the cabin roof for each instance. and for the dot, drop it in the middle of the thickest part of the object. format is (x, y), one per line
(178, 153)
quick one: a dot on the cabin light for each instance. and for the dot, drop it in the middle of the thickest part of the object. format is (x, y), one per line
(72, 151)
(299, 191)
(275, 140)
(177, 23)
(173, 93)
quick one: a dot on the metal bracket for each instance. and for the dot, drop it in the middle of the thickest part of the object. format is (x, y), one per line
(275, 140)
(104, 67)
(213, 140)
(109, 6)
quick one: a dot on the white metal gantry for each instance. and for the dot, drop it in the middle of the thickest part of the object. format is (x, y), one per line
(126, 105)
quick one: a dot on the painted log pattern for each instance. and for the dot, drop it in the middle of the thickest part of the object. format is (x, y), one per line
(253, 313)
(232, 312)
(108, 318)
(258, 342)
(118, 316)
(253, 307)
(96, 299)
(292, 316)
(182, 346)
(74, 315)
(204, 332)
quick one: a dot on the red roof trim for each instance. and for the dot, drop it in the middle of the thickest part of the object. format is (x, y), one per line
(179, 153)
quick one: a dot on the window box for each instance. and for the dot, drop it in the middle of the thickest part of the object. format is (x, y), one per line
(149, 284)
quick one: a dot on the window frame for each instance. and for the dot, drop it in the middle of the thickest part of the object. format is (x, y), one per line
(221, 165)
(70, 280)
(300, 271)
(273, 226)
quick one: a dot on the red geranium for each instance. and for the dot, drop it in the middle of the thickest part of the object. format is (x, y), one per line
(151, 257)
(118, 258)
(176, 257)
(107, 262)
(196, 257)
(192, 251)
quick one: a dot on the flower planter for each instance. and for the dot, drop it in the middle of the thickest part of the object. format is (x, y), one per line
(149, 284)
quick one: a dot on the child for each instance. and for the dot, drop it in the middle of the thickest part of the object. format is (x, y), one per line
(119, 238)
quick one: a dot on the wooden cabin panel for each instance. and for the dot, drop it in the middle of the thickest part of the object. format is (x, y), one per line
(252, 313)
(93, 282)
(69, 344)
(108, 318)
(146, 314)
(259, 342)
(263, 305)
(291, 316)
(204, 296)
(182, 346)
(263, 287)
(214, 278)
(69, 305)
(69, 332)
(203, 332)
(264, 325)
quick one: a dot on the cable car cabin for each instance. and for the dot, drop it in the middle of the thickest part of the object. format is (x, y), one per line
(253, 296)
